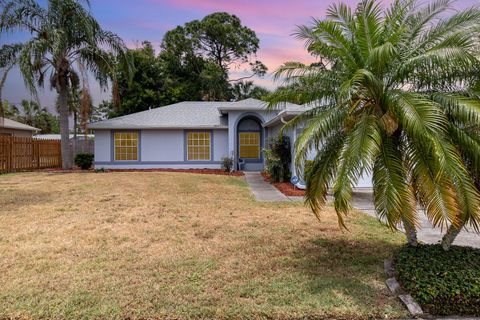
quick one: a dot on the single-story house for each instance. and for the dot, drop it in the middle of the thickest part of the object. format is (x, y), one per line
(16, 129)
(189, 135)
(192, 134)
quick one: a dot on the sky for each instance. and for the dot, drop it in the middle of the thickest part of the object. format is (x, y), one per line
(274, 21)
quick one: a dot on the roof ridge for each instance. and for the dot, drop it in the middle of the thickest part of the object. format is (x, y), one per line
(12, 124)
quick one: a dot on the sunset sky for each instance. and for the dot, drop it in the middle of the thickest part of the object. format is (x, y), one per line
(139, 20)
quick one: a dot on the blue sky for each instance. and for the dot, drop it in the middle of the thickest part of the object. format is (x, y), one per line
(136, 21)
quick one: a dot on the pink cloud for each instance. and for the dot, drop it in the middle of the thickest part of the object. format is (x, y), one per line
(273, 57)
(256, 8)
(265, 17)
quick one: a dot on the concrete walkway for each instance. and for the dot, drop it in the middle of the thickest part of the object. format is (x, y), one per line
(262, 190)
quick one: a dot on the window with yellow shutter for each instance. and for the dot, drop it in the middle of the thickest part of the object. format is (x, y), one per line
(126, 146)
(249, 145)
(198, 146)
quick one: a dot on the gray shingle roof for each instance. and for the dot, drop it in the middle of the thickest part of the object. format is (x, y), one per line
(184, 115)
(181, 115)
(11, 124)
(254, 104)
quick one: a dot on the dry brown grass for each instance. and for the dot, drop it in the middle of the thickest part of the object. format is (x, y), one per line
(173, 245)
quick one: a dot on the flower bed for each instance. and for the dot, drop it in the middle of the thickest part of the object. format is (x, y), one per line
(284, 187)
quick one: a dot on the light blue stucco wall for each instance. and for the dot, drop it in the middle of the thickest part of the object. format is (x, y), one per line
(220, 150)
(102, 145)
(160, 149)
(162, 145)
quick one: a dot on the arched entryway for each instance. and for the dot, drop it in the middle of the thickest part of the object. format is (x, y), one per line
(250, 138)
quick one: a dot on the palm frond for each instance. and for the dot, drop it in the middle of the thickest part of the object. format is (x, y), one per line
(320, 125)
(322, 174)
(360, 149)
(420, 117)
(393, 196)
(463, 109)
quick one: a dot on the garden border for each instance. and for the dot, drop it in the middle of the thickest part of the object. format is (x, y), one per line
(394, 286)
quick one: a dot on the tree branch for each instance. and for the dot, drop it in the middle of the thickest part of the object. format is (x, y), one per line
(243, 78)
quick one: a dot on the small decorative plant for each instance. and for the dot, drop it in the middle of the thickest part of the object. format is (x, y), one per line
(227, 164)
(84, 160)
(278, 158)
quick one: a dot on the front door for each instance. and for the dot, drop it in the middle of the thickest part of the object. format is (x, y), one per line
(249, 146)
(250, 150)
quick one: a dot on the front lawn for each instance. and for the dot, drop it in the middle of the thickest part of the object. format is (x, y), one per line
(177, 245)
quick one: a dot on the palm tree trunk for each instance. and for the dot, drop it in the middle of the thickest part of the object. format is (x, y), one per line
(410, 232)
(449, 237)
(64, 131)
(75, 128)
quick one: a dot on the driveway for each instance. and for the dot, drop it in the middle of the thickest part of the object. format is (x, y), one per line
(363, 201)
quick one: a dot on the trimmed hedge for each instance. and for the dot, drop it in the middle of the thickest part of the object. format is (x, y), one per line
(84, 160)
(444, 283)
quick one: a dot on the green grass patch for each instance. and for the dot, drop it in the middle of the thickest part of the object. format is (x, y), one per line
(444, 283)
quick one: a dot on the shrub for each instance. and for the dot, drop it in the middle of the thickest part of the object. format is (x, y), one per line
(84, 160)
(278, 158)
(227, 164)
(444, 283)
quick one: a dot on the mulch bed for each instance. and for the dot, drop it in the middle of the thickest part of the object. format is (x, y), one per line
(198, 171)
(284, 187)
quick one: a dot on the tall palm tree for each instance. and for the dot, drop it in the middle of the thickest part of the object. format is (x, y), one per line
(392, 94)
(8, 59)
(30, 110)
(67, 43)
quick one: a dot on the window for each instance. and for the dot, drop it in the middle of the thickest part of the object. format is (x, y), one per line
(126, 146)
(249, 145)
(198, 145)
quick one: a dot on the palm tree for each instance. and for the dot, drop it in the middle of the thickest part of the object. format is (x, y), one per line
(247, 89)
(8, 59)
(30, 111)
(393, 93)
(66, 44)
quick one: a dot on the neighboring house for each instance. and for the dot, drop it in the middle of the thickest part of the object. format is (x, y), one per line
(13, 128)
(189, 135)
(56, 136)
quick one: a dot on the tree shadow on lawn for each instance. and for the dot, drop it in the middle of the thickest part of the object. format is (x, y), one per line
(12, 199)
(346, 273)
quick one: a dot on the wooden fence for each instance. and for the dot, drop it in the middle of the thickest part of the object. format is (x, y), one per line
(19, 154)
